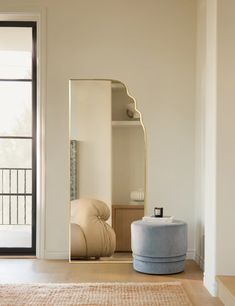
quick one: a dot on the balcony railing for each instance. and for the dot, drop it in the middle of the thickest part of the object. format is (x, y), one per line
(15, 196)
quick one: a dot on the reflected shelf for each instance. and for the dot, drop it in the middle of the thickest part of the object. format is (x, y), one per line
(126, 123)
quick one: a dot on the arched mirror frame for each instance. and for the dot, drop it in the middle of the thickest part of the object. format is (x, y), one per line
(145, 165)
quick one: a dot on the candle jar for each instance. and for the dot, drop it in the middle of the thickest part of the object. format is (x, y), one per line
(158, 212)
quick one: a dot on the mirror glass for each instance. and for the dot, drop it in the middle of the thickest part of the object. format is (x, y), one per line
(107, 170)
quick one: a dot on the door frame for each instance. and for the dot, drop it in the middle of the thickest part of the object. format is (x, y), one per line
(28, 250)
(38, 15)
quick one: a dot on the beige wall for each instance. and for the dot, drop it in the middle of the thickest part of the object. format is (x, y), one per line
(225, 247)
(148, 45)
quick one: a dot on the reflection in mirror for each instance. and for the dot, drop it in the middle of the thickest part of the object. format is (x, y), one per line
(107, 170)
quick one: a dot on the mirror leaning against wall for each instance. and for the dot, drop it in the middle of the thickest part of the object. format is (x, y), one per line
(107, 170)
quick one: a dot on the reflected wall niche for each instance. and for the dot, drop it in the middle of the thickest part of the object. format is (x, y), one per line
(107, 170)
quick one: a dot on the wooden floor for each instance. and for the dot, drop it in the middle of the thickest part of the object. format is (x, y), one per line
(116, 257)
(44, 271)
(226, 289)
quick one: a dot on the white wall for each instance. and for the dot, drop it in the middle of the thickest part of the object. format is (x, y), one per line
(91, 126)
(128, 146)
(128, 162)
(215, 133)
(119, 102)
(210, 147)
(200, 130)
(148, 45)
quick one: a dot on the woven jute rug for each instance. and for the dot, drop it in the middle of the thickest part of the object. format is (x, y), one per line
(94, 294)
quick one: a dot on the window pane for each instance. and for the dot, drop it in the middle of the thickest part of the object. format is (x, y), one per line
(15, 211)
(13, 180)
(15, 153)
(15, 53)
(15, 236)
(15, 108)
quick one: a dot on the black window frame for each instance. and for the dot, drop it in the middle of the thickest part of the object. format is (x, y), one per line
(31, 24)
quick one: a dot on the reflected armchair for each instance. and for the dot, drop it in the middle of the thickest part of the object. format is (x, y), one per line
(91, 235)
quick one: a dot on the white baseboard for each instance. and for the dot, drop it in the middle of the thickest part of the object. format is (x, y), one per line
(199, 260)
(211, 285)
(190, 254)
(56, 255)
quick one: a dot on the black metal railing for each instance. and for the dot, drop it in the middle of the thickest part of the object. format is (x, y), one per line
(15, 196)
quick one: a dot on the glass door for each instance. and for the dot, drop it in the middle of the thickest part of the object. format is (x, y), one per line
(17, 138)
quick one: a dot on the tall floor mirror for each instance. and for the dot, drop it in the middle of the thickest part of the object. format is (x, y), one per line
(107, 170)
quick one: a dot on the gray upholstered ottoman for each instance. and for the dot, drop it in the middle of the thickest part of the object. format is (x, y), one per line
(159, 248)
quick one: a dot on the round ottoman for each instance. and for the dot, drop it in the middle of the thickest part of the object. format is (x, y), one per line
(159, 248)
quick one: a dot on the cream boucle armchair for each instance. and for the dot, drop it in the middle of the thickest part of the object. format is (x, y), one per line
(91, 236)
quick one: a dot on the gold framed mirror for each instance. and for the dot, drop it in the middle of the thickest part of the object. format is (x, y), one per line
(107, 162)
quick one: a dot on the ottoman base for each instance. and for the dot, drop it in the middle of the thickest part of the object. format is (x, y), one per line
(161, 267)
